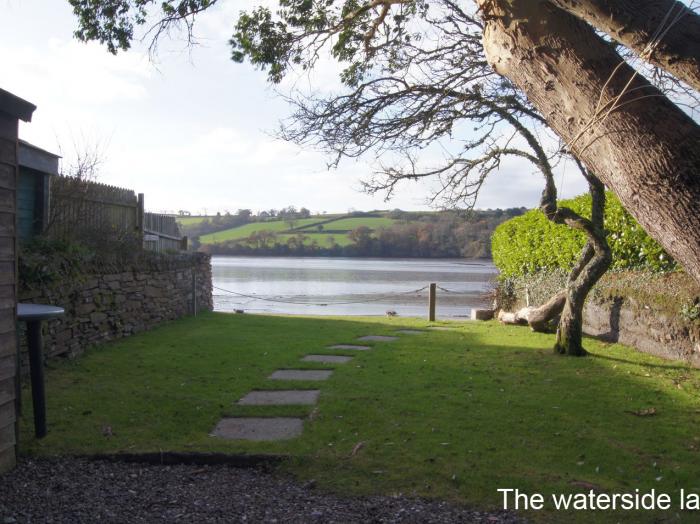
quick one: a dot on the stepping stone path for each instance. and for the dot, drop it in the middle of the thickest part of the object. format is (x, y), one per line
(377, 338)
(283, 428)
(277, 428)
(301, 374)
(350, 346)
(286, 397)
(327, 359)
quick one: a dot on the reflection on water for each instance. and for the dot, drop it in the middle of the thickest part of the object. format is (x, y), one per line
(349, 286)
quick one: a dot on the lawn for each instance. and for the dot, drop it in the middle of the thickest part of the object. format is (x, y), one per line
(448, 414)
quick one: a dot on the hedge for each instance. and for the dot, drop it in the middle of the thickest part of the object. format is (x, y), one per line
(530, 243)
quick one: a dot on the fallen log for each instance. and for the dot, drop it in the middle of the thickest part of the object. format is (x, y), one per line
(538, 318)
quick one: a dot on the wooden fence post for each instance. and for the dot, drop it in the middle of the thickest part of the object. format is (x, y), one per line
(140, 216)
(431, 302)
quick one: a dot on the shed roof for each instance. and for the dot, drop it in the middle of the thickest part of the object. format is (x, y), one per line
(36, 158)
(16, 106)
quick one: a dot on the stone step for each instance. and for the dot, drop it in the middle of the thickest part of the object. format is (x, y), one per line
(350, 346)
(411, 331)
(258, 428)
(327, 359)
(283, 397)
(301, 374)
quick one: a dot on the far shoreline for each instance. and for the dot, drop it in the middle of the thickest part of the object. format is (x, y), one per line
(349, 257)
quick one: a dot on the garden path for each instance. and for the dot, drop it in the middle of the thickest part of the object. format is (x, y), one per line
(283, 428)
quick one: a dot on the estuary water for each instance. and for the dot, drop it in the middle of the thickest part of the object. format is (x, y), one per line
(350, 286)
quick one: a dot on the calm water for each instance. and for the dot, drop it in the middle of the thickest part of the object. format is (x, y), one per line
(349, 286)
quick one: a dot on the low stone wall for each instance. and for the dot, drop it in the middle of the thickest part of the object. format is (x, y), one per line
(120, 301)
(644, 327)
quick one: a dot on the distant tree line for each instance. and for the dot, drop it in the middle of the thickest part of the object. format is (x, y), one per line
(429, 235)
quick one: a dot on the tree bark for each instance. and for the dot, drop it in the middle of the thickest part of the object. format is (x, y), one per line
(595, 260)
(666, 33)
(626, 131)
(539, 318)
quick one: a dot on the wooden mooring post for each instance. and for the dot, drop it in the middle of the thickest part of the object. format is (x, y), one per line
(431, 302)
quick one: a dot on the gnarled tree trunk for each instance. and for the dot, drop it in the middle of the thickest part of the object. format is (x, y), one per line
(666, 33)
(626, 131)
(594, 262)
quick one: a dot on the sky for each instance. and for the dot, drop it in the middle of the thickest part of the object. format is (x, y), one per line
(195, 131)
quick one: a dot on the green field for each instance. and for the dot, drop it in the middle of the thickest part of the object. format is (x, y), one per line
(445, 414)
(191, 221)
(241, 232)
(306, 226)
(348, 224)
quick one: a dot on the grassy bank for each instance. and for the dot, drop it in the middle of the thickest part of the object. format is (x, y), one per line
(448, 414)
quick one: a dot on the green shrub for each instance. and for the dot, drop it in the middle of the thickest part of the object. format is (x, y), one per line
(530, 243)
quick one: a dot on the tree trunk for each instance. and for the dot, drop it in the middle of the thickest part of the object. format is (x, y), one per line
(570, 330)
(632, 137)
(663, 32)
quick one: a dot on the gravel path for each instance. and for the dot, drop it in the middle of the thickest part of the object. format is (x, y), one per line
(76, 491)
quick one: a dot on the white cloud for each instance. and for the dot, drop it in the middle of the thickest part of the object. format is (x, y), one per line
(74, 73)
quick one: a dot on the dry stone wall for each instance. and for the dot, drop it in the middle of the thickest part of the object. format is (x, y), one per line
(644, 327)
(119, 302)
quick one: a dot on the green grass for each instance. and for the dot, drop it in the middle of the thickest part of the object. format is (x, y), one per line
(191, 221)
(245, 231)
(348, 224)
(453, 415)
(306, 225)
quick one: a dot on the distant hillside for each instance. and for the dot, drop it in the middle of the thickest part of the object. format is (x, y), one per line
(380, 233)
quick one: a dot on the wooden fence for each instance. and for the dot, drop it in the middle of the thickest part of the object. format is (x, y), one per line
(162, 233)
(89, 210)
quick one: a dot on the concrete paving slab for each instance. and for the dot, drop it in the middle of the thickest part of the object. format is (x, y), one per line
(327, 359)
(411, 331)
(378, 338)
(301, 374)
(350, 346)
(258, 428)
(285, 397)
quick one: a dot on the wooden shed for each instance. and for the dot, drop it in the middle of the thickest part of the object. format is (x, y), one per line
(12, 110)
(36, 166)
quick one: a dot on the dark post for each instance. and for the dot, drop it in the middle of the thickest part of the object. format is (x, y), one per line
(183, 243)
(140, 216)
(36, 369)
(431, 302)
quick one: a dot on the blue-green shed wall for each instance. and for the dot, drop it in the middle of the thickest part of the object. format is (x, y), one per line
(28, 193)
